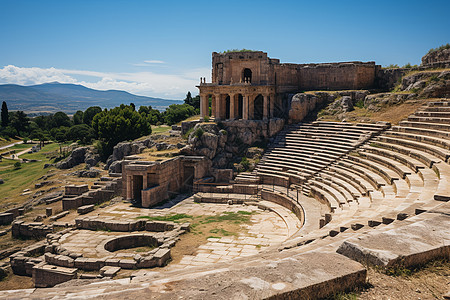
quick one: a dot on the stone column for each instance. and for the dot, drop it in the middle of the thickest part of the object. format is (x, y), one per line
(272, 105)
(213, 105)
(265, 106)
(218, 115)
(251, 107)
(129, 187)
(204, 105)
(245, 107)
(144, 181)
(232, 110)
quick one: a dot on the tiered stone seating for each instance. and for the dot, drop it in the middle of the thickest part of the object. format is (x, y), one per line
(303, 150)
(404, 171)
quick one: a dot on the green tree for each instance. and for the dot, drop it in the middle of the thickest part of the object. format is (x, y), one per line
(117, 125)
(195, 102)
(20, 121)
(61, 119)
(90, 113)
(178, 112)
(152, 115)
(5, 115)
(78, 118)
(81, 132)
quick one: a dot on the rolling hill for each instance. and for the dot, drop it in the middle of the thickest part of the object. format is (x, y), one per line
(53, 97)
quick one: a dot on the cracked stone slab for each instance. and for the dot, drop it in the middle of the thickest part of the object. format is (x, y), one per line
(416, 243)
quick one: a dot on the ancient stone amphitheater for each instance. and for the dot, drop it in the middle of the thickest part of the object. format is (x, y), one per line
(383, 193)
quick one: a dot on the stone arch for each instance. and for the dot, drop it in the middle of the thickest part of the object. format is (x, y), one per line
(247, 75)
(258, 107)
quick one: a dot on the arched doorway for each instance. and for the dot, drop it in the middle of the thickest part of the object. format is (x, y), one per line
(258, 107)
(247, 75)
(240, 113)
(227, 107)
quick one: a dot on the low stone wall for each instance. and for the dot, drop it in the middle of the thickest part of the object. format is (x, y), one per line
(72, 199)
(284, 201)
(248, 189)
(30, 230)
(94, 223)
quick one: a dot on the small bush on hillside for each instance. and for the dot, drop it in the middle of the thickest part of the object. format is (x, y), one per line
(17, 165)
(199, 132)
(360, 103)
(446, 46)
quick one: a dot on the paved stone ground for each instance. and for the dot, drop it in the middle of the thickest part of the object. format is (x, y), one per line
(267, 228)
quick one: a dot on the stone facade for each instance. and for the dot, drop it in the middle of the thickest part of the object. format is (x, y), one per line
(148, 183)
(252, 86)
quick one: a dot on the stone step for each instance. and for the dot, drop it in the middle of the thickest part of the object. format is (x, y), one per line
(427, 125)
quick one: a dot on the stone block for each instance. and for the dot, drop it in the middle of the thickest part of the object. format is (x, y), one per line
(161, 256)
(48, 276)
(48, 211)
(148, 262)
(85, 209)
(113, 262)
(6, 218)
(109, 271)
(127, 264)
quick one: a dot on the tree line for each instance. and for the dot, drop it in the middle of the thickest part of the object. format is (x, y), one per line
(107, 127)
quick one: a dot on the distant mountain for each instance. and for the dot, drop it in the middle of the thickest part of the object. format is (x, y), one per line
(53, 97)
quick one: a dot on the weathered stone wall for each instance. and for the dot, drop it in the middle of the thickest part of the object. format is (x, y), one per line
(161, 180)
(437, 59)
(337, 76)
(387, 79)
(227, 68)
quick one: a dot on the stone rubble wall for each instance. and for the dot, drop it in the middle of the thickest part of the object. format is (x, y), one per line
(30, 230)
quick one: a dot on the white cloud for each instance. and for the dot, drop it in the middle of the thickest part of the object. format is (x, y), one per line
(149, 63)
(172, 86)
(154, 62)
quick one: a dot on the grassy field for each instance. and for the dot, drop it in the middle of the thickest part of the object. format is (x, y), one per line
(4, 142)
(16, 180)
(160, 129)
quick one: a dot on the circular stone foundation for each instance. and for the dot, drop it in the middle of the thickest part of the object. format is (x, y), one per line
(131, 241)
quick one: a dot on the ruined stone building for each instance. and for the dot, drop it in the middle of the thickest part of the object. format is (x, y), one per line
(253, 86)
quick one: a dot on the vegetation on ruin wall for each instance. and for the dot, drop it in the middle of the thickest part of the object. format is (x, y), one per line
(238, 50)
(446, 46)
(106, 127)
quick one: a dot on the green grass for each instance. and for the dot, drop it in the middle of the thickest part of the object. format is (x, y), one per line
(236, 218)
(222, 232)
(169, 218)
(23, 178)
(160, 129)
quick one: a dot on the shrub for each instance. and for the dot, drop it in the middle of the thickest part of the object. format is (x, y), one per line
(245, 163)
(442, 47)
(206, 119)
(360, 103)
(17, 165)
(199, 132)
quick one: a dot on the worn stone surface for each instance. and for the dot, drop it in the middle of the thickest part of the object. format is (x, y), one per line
(295, 276)
(426, 238)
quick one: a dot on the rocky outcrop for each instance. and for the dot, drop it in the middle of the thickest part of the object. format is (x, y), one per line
(78, 156)
(437, 59)
(224, 146)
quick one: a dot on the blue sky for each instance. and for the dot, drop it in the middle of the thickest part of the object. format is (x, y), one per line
(161, 48)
